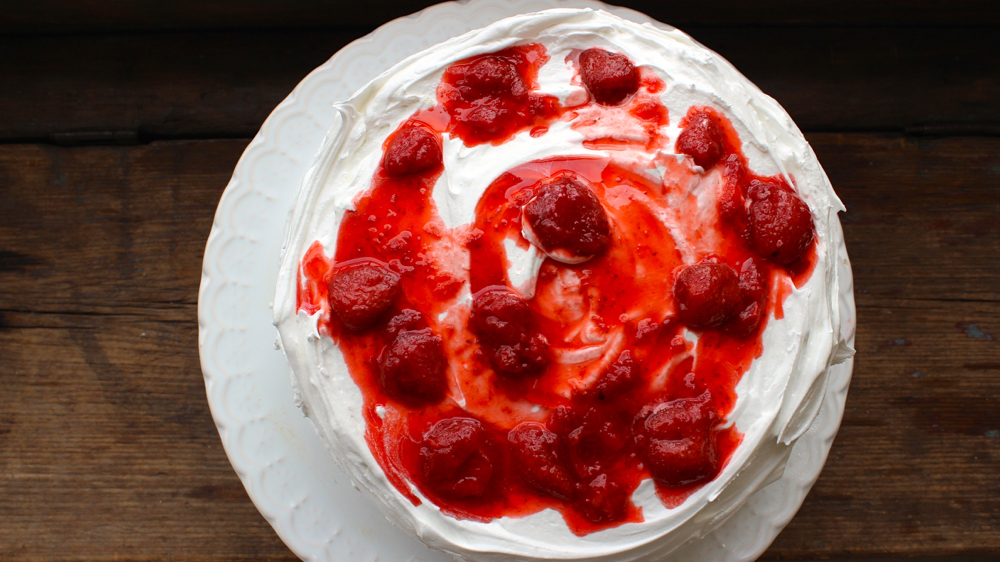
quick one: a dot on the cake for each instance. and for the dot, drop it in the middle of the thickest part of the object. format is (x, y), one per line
(562, 288)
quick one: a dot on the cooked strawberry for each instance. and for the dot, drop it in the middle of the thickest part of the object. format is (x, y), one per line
(459, 458)
(502, 321)
(566, 218)
(676, 441)
(603, 500)
(361, 291)
(780, 225)
(407, 319)
(491, 75)
(592, 438)
(731, 189)
(702, 139)
(609, 77)
(413, 367)
(539, 459)
(489, 97)
(528, 357)
(620, 376)
(413, 149)
(753, 290)
(707, 295)
(499, 316)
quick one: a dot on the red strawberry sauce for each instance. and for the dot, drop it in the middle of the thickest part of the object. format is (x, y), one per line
(624, 390)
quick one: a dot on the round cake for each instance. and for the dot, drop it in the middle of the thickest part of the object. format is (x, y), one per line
(562, 288)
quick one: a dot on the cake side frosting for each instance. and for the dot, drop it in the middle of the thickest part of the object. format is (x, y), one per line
(777, 396)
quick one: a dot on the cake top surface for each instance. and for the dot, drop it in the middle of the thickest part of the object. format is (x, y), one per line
(587, 129)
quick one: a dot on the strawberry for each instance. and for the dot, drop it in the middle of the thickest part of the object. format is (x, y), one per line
(502, 321)
(499, 316)
(609, 77)
(361, 291)
(459, 458)
(413, 367)
(731, 189)
(707, 294)
(591, 437)
(753, 290)
(539, 459)
(490, 75)
(701, 139)
(566, 215)
(603, 500)
(413, 149)
(780, 224)
(675, 440)
(621, 375)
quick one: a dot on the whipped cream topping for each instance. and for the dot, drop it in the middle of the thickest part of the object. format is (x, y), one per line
(777, 398)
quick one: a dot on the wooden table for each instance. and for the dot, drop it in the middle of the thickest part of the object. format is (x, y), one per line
(120, 127)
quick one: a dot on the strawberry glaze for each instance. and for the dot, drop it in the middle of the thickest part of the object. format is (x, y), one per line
(618, 304)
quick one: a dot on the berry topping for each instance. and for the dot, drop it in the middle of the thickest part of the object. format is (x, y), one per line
(361, 291)
(502, 321)
(407, 319)
(731, 188)
(458, 458)
(413, 367)
(595, 373)
(610, 77)
(567, 222)
(591, 438)
(499, 316)
(537, 451)
(527, 357)
(780, 225)
(603, 500)
(489, 97)
(412, 149)
(487, 116)
(707, 294)
(747, 321)
(491, 75)
(754, 292)
(752, 284)
(620, 376)
(702, 139)
(675, 440)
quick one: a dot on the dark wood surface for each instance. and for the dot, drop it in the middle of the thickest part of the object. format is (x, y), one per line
(119, 129)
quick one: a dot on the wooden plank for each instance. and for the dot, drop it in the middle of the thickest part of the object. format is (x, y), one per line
(869, 78)
(923, 214)
(107, 448)
(913, 471)
(223, 84)
(68, 15)
(109, 230)
(160, 85)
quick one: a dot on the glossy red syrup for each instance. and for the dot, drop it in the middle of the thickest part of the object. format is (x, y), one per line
(580, 434)
(491, 97)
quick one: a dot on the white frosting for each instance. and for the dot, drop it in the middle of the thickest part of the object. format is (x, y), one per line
(778, 396)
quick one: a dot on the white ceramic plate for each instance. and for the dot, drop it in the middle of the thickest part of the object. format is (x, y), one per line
(288, 474)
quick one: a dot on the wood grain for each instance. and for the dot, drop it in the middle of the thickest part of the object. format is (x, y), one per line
(107, 447)
(69, 15)
(219, 84)
(108, 451)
